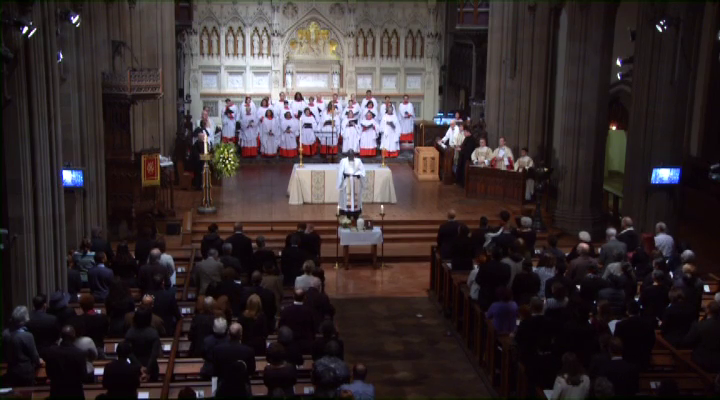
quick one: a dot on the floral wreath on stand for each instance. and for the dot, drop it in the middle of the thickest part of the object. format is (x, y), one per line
(225, 160)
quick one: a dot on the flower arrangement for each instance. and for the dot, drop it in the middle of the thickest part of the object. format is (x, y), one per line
(344, 221)
(225, 160)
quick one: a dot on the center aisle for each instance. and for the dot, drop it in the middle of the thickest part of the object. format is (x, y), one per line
(403, 343)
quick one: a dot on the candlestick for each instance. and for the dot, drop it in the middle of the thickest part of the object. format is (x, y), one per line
(300, 148)
(383, 158)
(382, 209)
(205, 145)
(337, 213)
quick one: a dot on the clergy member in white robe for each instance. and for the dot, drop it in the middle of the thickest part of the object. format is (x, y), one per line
(482, 154)
(368, 135)
(367, 99)
(250, 140)
(406, 113)
(298, 105)
(350, 177)
(453, 137)
(523, 164)
(390, 128)
(229, 120)
(308, 126)
(289, 132)
(329, 132)
(269, 134)
(350, 134)
(503, 157)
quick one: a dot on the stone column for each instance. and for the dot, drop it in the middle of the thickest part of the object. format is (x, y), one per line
(660, 117)
(518, 74)
(580, 145)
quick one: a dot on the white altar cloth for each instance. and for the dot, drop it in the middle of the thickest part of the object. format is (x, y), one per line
(349, 237)
(316, 184)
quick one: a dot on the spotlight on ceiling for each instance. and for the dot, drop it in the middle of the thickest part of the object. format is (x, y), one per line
(25, 26)
(624, 61)
(59, 56)
(624, 75)
(665, 23)
(70, 16)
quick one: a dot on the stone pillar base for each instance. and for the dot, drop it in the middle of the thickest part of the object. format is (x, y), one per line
(574, 221)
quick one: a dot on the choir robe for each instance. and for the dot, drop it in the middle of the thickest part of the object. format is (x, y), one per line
(308, 126)
(230, 117)
(315, 110)
(482, 156)
(289, 132)
(368, 137)
(215, 137)
(355, 107)
(350, 180)
(297, 107)
(525, 162)
(373, 111)
(350, 136)
(390, 128)
(365, 101)
(502, 158)
(453, 137)
(260, 114)
(250, 140)
(269, 136)
(279, 108)
(406, 113)
(329, 135)
(383, 109)
(253, 107)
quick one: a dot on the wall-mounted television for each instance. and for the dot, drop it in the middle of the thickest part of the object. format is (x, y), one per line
(73, 178)
(665, 176)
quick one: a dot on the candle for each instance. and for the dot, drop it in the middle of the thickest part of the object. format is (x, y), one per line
(338, 211)
(205, 145)
(382, 209)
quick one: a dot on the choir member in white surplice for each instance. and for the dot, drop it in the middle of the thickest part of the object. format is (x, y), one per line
(250, 141)
(314, 109)
(229, 120)
(351, 134)
(368, 135)
(279, 106)
(250, 103)
(308, 126)
(264, 106)
(209, 126)
(289, 132)
(503, 157)
(406, 113)
(390, 128)
(330, 133)
(384, 106)
(482, 154)
(351, 174)
(269, 134)
(352, 105)
(367, 99)
(523, 164)
(338, 105)
(372, 108)
(298, 105)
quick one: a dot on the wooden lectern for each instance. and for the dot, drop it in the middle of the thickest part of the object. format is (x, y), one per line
(447, 158)
(426, 163)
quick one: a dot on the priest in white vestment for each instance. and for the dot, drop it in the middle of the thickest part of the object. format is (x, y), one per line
(390, 128)
(523, 164)
(229, 120)
(250, 140)
(289, 132)
(453, 137)
(350, 177)
(308, 126)
(406, 113)
(329, 132)
(368, 135)
(269, 134)
(482, 154)
(503, 157)
(350, 134)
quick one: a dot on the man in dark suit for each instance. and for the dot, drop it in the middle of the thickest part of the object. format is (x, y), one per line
(552, 248)
(292, 260)
(578, 268)
(226, 353)
(654, 299)
(492, 275)
(447, 233)
(263, 255)
(89, 323)
(319, 302)
(311, 243)
(301, 320)
(230, 261)
(165, 305)
(232, 287)
(612, 248)
(638, 336)
(462, 250)
(149, 270)
(207, 271)
(65, 366)
(75, 283)
(591, 284)
(469, 144)
(299, 233)
(477, 237)
(624, 376)
(121, 377)
(503, 236)
(559, 277)
(628, 235)
(704, 339)
(241, 248)
(98, 243)
(211, 240)
(269, 303)
(143, 245)
(43, 326)
(534, 341)
(100, 278)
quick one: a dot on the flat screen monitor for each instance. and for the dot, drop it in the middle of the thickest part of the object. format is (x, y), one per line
(665, 176)
(442, 120)
(73, 178)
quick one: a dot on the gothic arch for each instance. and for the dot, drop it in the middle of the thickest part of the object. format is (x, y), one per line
(241, 40)
(231, 43)
(394, 49)
(255, 43)
(410, 44)
(214, 42)
(419, 45)
(265, 43)
(204, 41)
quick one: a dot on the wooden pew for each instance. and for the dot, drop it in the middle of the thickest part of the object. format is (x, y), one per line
(303, 388)
(189, 368)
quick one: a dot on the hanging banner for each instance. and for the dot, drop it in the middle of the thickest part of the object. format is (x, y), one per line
(150, 170)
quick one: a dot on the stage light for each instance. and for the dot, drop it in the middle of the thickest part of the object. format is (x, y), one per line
(59, 56)
(662, 25)
(33, 29)
(624, 61)
(624, 75)
(613, 127)
(70, 16)
(665, 23)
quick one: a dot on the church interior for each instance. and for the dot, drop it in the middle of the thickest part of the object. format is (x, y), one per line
(402, 198)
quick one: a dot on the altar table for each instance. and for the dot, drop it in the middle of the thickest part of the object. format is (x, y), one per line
(350, 237)
(317, 184)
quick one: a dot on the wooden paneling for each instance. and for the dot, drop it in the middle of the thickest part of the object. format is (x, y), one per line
(495, 184)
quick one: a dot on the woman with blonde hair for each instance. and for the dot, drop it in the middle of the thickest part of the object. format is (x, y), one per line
(254, 323)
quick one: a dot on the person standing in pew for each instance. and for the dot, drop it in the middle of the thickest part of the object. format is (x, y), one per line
(490, 276)
(65, 366)
(218, 336)
(301, 319)
(241, 248)
(201, 325)
(211, 240)
(43, 326)
(311, 243)
(623, 375)
(329, 372)
(262, 255)
(292, 260)
(299, 233)
(19, 351)
(225, 356)
(145, 342)
(267, 298)
(273, 281)
(165, 304)
(146, 303)
(462, 250)
(704, 339)
(572, 382)
(207, 271)
(230, 261)
(293, 354)
(254, 325)
(91, 324)
(329, 333)
(152, 268)
(231, 288)
(447, 232)
(278, 373)
(117, 305)
(638, 336)
(121, 377)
